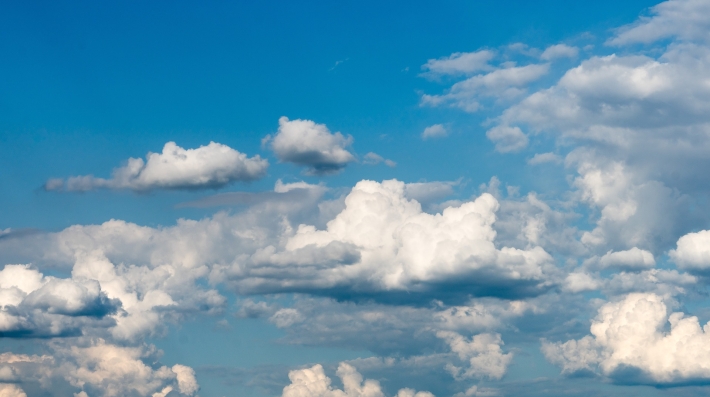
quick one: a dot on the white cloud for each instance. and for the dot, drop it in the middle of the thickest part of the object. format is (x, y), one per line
(693, 251)
(38, 306)
(630, 343)
(382, 241)
(482, 355)
(187, 384)
(305, 143)
(211, 166)
(372, 158)
(507, 139)
(559, 51)
(434, 131)
(630, 259)
(681, 19)
(10, 390)
(459, 63)
(505, 83)
(542, 158)
(312, 382)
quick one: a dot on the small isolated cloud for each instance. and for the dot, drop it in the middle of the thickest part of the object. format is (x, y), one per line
(559, 51)
(435, 131)
(542, 158)
(374, 159)
(211, 166)
(305, 143)
(459, 63)
(482, 355)
(507, 139)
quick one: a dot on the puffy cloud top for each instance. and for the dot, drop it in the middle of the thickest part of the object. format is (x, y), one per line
(629, 344)
(312, 382)
(383, 241)
(693, 251)
(305, 143)
(211, 166)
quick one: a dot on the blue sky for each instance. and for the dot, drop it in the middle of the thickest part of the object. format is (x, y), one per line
(300, 199)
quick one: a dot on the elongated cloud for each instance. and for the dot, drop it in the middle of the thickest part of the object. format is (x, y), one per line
(305, 143)
(211, 166)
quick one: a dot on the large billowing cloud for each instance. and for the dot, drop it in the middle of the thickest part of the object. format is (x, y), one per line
(630, 344)
(211, 166)
(305, 143)
(384, 242)
(312, 382)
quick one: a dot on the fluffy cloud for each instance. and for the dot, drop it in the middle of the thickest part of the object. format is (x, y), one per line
(305, 143)
(630, 259)
(434, 131)
(507, 139)
(32, 305)
(10, 390)
(381, 241)
(211, 166)
(693, 251)
(482, 354)
(629, 343)
(312, 382)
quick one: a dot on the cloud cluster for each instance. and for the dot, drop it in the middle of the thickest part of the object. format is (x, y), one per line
(211, 166)
(312, 382)
(92, 366)
(381, 241)
(305, 143)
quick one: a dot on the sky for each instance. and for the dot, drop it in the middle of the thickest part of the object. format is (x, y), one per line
(355, 199)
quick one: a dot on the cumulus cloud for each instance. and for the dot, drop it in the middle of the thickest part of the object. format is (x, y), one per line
(305, 143)
(507, 139)
(10, 390)
(693, 251)
(482, 355)
(681, 19)
(630, 343)
(32, 305)
(559, 51)
(312, 382)
(459, 63)
(434, 131)
(383, 241)
(631, 259)
(211, 166)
